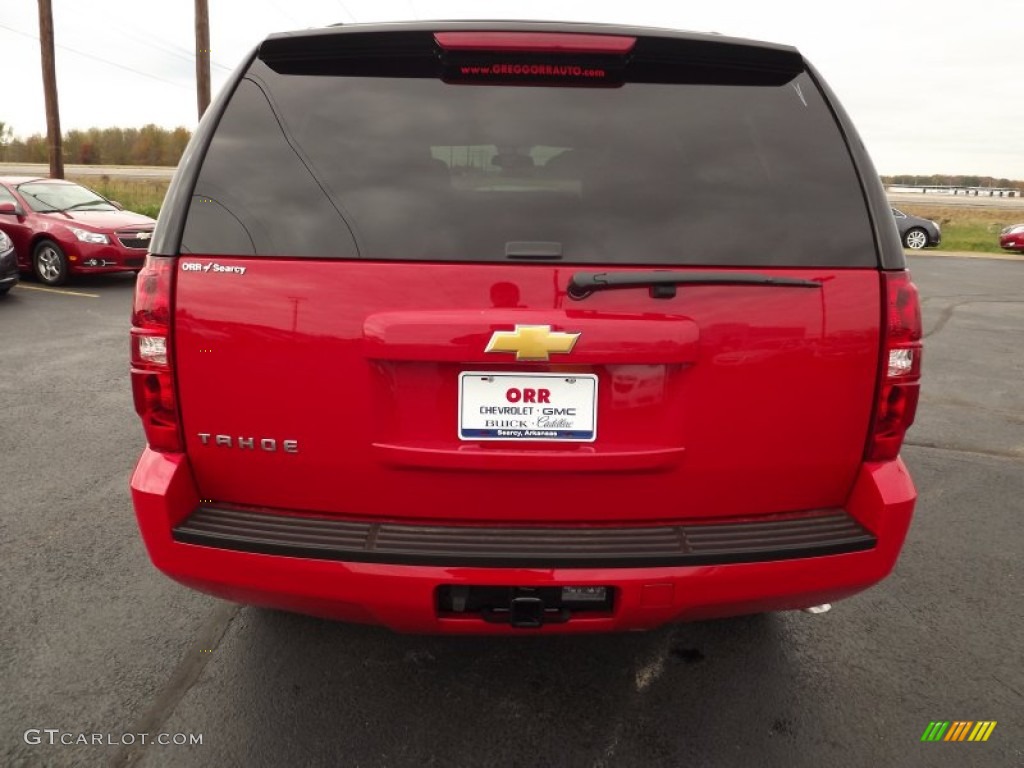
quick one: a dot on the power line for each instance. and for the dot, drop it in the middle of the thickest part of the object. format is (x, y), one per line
(97, 58)
(166, 46)
(347, 11)
(285, 13)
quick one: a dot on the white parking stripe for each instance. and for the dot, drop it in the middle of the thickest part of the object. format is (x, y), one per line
(57, 290)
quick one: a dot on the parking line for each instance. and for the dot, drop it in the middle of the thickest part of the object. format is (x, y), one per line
(57, 290)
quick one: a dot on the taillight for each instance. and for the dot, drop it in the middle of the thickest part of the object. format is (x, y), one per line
(152, 374)
(900, 371)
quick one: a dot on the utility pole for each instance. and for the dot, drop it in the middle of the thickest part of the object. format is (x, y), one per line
(50, 89)
(202, 55)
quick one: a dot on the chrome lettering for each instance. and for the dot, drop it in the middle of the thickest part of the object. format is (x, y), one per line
(268, 444)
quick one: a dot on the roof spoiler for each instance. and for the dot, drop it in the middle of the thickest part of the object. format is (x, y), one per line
(416, 50)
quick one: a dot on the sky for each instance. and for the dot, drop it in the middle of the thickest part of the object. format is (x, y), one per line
(933, 86)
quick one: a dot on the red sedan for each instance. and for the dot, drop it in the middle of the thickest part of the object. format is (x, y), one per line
(60, 229)
(1012, 238)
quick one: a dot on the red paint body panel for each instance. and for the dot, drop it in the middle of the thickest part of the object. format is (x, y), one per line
(722, 401)
(461, 336)
(403, 597)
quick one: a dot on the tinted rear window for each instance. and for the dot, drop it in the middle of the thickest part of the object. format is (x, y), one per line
(395, 168)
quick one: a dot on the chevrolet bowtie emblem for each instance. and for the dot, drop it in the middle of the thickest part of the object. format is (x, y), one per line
(532, 342)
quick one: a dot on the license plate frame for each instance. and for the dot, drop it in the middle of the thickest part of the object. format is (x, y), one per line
(572, 398)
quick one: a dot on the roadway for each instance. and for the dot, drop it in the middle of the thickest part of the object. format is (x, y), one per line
(125, 171)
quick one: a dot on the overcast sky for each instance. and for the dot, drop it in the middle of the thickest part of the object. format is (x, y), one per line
(934, 86)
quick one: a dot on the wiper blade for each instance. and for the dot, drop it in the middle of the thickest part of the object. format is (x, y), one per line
(87, 202)
(663, 282)
(533, 250)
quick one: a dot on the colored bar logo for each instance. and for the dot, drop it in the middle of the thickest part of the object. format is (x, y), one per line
(958, 730)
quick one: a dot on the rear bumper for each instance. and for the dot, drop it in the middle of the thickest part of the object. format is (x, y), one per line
(404, 596)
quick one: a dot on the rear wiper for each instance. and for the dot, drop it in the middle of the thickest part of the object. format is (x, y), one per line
(533, 250)
(663, 282)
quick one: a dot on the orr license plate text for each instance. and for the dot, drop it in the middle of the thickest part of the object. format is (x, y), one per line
(536, 406)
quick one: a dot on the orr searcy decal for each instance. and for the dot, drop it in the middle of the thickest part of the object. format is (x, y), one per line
(195, 266)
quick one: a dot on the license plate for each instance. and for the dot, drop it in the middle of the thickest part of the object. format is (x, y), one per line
(549, 407)
(585, 594)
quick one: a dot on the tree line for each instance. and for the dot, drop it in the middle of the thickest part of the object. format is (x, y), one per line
(149, 145)
(944, 180)
(153, 145)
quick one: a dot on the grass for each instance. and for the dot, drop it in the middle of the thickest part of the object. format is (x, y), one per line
(143, 196)
(965, 228)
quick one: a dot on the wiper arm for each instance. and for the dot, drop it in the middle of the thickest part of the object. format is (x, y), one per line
(52, 209)
(82, 205)
(663, 282)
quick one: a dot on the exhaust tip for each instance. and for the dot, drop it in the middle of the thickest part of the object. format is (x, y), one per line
(816, 610)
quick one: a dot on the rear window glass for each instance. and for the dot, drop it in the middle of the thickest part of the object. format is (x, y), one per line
(419, 169)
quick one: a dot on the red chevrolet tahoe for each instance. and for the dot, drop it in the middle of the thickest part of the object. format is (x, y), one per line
(504, 327)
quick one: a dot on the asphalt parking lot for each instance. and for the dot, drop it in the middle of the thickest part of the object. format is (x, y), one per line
(94, 641)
